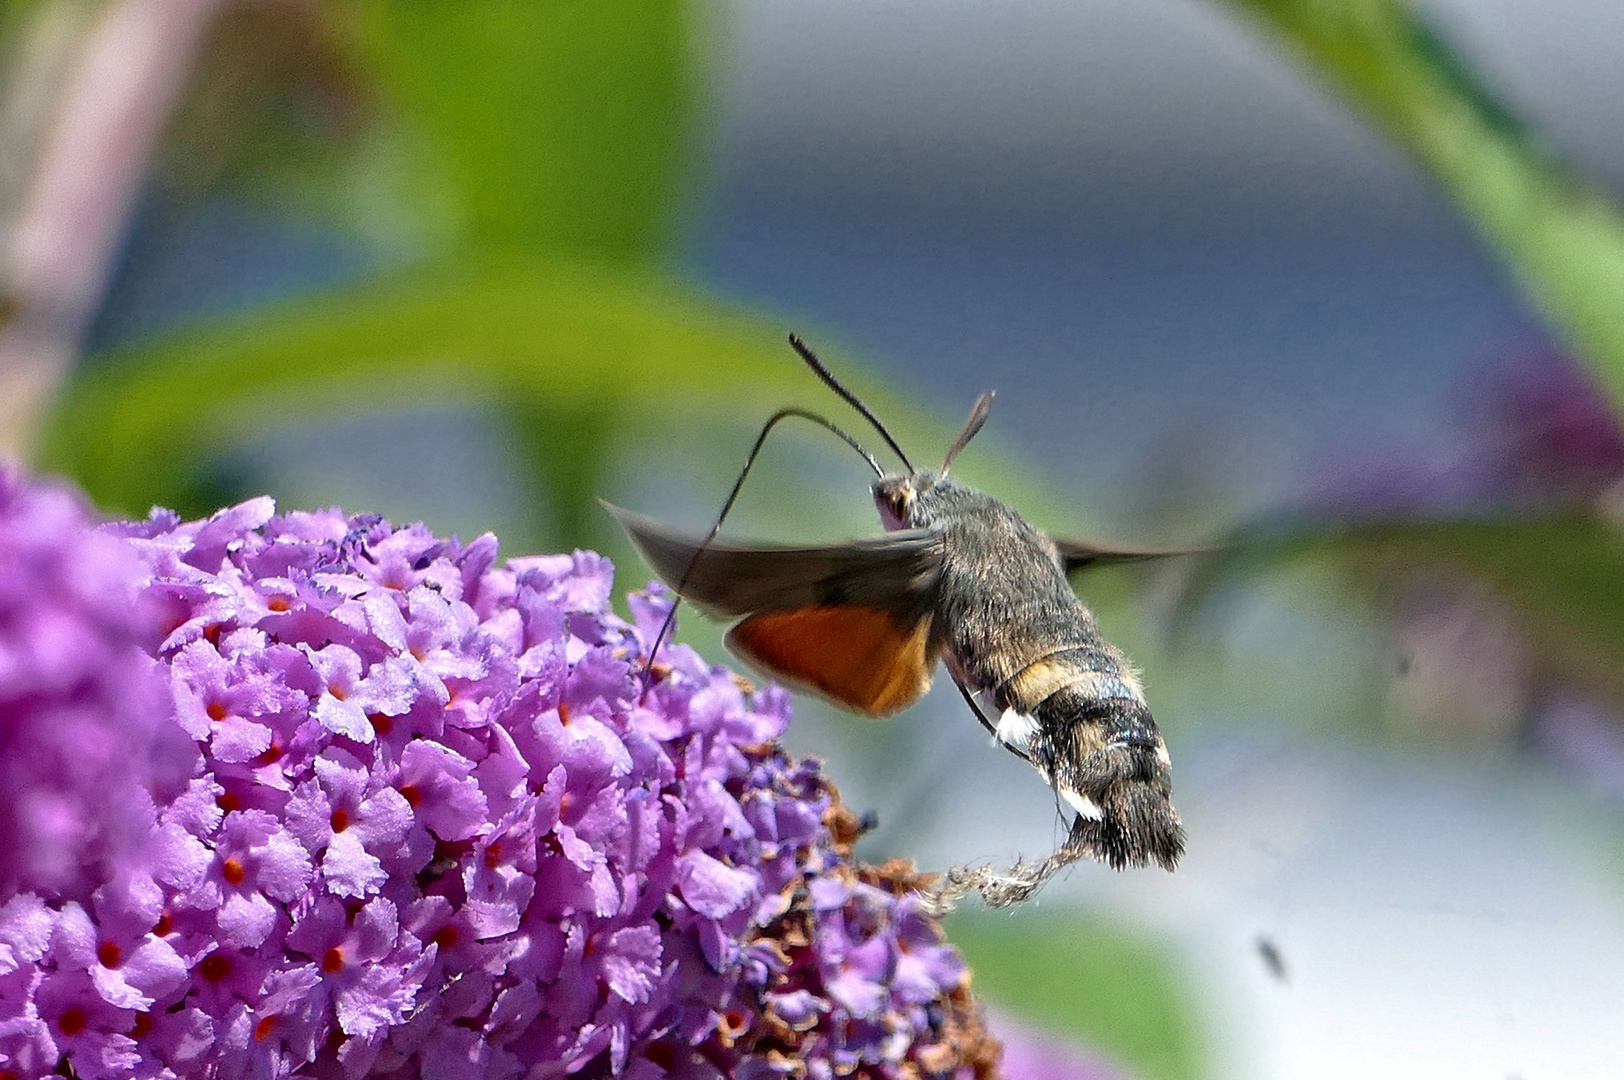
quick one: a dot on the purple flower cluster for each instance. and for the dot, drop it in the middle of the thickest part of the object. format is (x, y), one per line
(430, 822)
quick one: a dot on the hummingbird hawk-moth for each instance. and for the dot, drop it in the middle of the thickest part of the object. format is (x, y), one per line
(958, 576)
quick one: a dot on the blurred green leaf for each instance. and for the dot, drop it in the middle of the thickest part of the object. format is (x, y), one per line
(556, 341)
(579, 361)
(15, 16)
(559, 124)
(1078, 975)
(1561, 575)
(1562, 238)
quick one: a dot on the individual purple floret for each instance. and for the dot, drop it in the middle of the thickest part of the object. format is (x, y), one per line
(432, 824)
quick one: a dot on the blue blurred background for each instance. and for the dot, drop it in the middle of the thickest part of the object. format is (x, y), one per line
(1344, 266)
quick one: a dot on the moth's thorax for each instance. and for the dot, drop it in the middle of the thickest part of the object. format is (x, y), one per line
(1003, 600)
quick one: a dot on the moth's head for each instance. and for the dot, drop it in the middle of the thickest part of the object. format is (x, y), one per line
(900, 497)
(911, 500)
(921, 497)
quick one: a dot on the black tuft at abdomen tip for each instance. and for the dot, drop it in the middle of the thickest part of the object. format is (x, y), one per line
(1138, 827)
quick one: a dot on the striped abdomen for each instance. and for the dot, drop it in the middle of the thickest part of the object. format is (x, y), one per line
(1079, 715)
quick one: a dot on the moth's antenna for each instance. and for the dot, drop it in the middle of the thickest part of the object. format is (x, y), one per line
(847, 396)
(733, 496)
(978, 416)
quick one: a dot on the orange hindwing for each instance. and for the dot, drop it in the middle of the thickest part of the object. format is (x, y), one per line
(861, 657)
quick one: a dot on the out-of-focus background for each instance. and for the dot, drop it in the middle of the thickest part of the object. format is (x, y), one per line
(1341, 280)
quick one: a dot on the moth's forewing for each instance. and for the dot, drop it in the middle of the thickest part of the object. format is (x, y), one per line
(895, 572)
(851, 622)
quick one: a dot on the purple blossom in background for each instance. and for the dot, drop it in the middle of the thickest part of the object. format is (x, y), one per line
(1541, 438)
(1030, 1054)
(308, 794)
(1538, 431)
(85, 729)
(1556, 434)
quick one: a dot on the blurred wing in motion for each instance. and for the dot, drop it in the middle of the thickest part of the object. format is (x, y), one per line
(851, 622)
(1076, 555)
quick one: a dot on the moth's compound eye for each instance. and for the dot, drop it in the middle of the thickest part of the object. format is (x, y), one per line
(893, 499)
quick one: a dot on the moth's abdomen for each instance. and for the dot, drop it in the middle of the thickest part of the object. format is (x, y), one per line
(1092, 735)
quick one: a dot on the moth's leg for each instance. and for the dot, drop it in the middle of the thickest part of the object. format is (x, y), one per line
(981, 718)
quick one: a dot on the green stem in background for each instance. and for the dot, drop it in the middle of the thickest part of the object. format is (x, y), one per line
(558, 125)
(563, 445)
(1562, 238)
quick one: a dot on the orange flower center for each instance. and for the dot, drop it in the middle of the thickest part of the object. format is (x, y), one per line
(215, 967)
